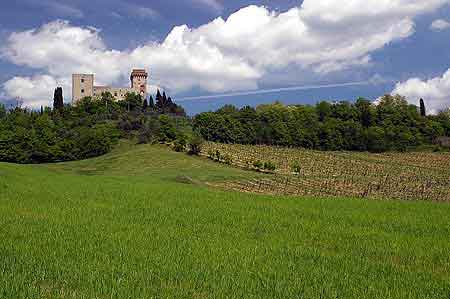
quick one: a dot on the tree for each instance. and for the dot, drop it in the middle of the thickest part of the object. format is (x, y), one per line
(151, 103)
(195, 144)
(58, 101)
(323, 110)
(145, 105)
(423, 111)
(159, 102)
(2, 111)
(133, 102)
(365, 112)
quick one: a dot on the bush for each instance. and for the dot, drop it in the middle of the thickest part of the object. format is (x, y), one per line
(270, 166)
(258, 165)
(296, 168)
(195, 145)
(211, 154)
(218, 156)
(180, 144)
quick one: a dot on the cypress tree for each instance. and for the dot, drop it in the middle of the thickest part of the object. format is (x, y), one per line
(159, 101)
(151, 103)
(58, 100)
(423, 110)
(145, 105)
(164, 98)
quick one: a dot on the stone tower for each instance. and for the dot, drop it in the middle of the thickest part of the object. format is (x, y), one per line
(139, 82)
(82, 86)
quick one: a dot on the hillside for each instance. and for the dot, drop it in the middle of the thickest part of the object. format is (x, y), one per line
(144, 221)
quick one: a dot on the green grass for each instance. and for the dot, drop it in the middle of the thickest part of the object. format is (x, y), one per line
(144, 222)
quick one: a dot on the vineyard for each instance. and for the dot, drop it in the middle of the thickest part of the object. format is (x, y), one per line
(407, 176)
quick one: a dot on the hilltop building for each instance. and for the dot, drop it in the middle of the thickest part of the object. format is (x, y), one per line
(83, 86)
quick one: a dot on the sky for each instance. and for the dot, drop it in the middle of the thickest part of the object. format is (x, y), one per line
(208, 53)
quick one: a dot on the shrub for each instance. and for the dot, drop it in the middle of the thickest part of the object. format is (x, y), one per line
(270, 166)
(258, 164)
(195, 145)
(180, 144)
(211, 154)
(296, 168)
(218, 156)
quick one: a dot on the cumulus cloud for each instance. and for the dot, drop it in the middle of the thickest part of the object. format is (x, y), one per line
(33, 91)
(439, 25)
(318, 37)
(435, 91)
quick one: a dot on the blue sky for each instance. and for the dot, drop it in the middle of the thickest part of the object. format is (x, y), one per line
(276, 52)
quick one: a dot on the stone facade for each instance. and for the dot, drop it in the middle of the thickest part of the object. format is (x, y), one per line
(83, 86)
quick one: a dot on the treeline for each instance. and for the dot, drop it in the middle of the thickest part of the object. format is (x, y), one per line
(392, 124)
(88, 129)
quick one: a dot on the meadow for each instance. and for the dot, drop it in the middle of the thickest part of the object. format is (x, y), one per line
(147, 222)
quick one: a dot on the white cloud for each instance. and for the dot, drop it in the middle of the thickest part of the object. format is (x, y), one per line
(60, 8)
(34, 91)
(439, 25)
(131, 9)
(215, 5)
(435, 92)
(319, 37)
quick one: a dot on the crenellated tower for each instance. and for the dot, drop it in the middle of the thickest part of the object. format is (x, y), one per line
(138, 80)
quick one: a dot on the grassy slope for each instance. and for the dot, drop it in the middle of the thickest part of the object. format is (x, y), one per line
(122, 226)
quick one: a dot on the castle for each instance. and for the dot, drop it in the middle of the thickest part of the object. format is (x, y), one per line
(83, 86)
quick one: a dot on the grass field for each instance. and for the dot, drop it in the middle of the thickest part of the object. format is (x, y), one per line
(146, 222)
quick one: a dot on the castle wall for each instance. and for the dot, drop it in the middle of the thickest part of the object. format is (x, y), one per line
(117, 92)
(83, 86)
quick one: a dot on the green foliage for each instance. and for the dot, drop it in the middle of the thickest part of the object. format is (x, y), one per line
(195, 144)
(149, 132)
(269, 166)
(211, 154)
(296, 168)
(423, 110)
(58, 100)
(31, 137)
(88, 129)
(2, 111)
(180, 143)
(165, 105)
(392, 125)
(145, 105)
(218, 155)
(167, 132)
(258, 164)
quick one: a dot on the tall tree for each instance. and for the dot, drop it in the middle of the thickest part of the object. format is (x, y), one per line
(423, 110)
(151, 103)
(145, 105)
(2, 110)
(159, 101)
(164, 97)
(58, 100)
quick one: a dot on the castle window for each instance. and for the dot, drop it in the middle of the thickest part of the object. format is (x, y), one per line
(82, 91)
(82, 80)
(115, 94)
